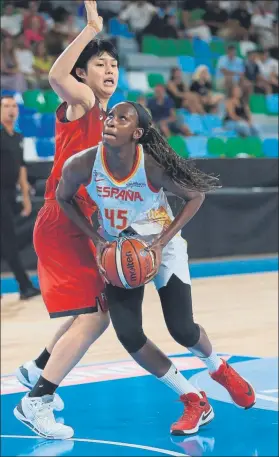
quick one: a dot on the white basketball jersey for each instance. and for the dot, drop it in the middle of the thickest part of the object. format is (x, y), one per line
(120, 202)
(133, 203)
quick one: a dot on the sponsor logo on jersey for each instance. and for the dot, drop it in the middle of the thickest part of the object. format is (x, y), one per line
(119, 194)
(136, 184)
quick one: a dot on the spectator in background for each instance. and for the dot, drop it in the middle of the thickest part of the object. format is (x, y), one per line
(138, 15)
(163, 114)
(68, 28)
(32, 12)
(13, 172)
(268, 69)
(34, 33)
(11, 77)
(42, 64)
(110, 8)
(239, 22)
(11, 21)
(238, 114)
(202, 86)
(195, 27)
(253, 74)
(169, 28)
(215, 17)
(25, 59)
(180, 94)
(262, 22)
(230, 69)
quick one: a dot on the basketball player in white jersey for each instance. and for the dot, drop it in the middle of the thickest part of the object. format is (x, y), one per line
(125, 176)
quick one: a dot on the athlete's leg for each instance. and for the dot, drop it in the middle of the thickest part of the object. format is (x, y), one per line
(126, 315)
(177, 308)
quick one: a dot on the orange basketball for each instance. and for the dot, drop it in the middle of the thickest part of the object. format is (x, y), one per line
(126, 263)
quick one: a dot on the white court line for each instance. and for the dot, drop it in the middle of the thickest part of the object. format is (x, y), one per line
(114, 443)
(267, 398)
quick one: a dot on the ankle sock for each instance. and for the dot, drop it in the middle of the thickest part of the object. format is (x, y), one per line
(43, 387)
(176, 381)
(42, 360)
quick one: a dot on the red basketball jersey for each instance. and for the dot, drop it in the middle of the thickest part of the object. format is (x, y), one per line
(70, 138)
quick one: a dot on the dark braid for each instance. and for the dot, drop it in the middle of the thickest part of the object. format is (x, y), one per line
(180, 170)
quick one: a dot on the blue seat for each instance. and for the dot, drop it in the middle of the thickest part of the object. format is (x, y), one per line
(117, 97)
(272, 103)
(46, 126)
(117, 28)
(123, 83)
(211, 123)
(28, 125)
(201, 48)
(270, 147)
(186, 63)
(45, 147)
(197, 146)
(194, 123)
(7, 92)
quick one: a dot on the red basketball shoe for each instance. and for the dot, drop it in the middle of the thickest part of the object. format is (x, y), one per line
(241, 392)
(197, 412)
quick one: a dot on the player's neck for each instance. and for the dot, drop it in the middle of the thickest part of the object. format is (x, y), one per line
(121, 160)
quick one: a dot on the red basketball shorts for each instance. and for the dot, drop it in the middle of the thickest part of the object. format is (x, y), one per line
(68, 275)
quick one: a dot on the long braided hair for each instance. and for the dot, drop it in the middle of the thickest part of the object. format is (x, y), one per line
(181, 171)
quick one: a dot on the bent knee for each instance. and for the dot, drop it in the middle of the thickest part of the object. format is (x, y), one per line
(187, 335)
(93, 324)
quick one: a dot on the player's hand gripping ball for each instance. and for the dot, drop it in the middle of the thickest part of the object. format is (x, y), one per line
(127, 263)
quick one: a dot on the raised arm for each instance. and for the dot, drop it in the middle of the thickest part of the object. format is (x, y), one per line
(60, 79)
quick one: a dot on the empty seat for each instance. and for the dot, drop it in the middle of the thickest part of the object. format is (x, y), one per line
(201, 48)
(133, 95)
(272, 104)
(52, 101)
(270, 147)
(257, 104)
(137, 80)
(46, 126)
(117, 28)
(45, 147)
(194, 123)
(29, 150)
(216, 147)
(122, 80)
(187, 63)
(34, 99)
(154, 79)
(211, 123)
(28, 125)
(197, 146)
(179, 145)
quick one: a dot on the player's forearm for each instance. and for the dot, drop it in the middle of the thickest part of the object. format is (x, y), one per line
(71, 208)
(63, 66)
(182, 218)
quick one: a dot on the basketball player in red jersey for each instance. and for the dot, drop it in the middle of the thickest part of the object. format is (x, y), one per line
(84, 76)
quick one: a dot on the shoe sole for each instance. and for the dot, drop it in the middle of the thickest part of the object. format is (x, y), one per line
(20, 377)
(28, 424)
(201, 423)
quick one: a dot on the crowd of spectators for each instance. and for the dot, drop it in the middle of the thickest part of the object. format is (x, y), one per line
(34, 33)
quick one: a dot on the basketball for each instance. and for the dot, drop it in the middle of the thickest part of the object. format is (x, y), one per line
(126, 263)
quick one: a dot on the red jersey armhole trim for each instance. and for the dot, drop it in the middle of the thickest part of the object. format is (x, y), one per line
(152, 188)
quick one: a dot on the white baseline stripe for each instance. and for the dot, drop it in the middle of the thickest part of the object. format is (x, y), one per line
(114, 443)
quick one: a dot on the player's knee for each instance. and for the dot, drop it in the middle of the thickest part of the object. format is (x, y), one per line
(93, 325)
(131, 340)
(186, 334)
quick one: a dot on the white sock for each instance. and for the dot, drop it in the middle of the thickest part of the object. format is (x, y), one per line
(176, 381)
(213, 362)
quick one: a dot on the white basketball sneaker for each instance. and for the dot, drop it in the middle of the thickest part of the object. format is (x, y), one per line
(37, 414)
(28, 375)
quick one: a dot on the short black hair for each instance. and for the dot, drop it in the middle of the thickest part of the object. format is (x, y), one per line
(230, 47)
(95, 47)
(6, 96)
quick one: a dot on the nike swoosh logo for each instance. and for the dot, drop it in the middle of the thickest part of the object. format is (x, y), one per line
(205, 415)
(250, 391)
